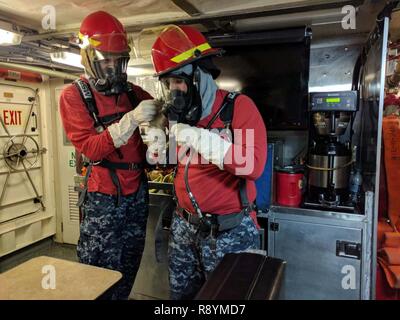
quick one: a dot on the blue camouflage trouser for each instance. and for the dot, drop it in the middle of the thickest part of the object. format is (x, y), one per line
(192, 257)
(113, 237)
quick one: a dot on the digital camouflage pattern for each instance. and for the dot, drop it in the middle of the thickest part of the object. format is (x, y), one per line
(113, 237)
(193, 257)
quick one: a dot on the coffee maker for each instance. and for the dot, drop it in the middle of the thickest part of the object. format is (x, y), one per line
(330, 155)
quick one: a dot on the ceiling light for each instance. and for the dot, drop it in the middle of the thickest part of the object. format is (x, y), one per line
(74, 59)
(68, 58)
(331, 88)
(140, 67)
(140, 71)
(8, 35)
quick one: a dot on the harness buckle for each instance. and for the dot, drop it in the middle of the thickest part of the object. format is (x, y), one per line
(208, 224)
(132, 166)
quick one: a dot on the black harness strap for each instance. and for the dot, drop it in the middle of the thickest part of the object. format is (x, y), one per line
(120, 165)
(243, 194)
(225, 112)
(117, 184)
(107, 120)
(223, 222)
(100, 124)
(87, 96)
(90, 102)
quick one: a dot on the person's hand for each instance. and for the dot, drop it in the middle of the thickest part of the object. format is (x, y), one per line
(121, 131)
(186, 135)
(156, 142)
(209, 144)
(145, 111)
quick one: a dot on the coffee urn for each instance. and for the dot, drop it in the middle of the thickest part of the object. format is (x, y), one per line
(330, 151)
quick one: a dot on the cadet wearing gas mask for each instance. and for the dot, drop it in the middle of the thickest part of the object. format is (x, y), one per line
(214, 187)
(101, 113)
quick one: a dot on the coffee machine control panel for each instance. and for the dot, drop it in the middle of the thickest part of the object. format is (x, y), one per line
(333, 101)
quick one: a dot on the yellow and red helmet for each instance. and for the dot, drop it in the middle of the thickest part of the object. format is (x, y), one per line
(177, 46)
(104, 51)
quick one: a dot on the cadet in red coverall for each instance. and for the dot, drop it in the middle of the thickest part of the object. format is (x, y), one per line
(216, 188)
(115, 206)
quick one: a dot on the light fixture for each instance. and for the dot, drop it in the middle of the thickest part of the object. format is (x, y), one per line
(229, 84)
(74, 59)
(331, 88)
(68, 58)
(140, 71)
(8, 35)
(138, 66)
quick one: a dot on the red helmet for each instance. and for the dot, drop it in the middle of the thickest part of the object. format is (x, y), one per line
(103, 32)
(104, 52)
(177, 46)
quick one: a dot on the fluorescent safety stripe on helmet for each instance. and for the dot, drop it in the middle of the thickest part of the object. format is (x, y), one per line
(189, 53)
(91, 41)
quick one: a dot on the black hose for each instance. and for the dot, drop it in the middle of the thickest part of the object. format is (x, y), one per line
(188, 190)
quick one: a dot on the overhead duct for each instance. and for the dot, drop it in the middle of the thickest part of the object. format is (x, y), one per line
(320, 17)
(50, 73)
(27, 76)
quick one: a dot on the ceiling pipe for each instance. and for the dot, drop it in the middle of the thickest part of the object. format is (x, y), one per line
(51, 73)
(41, 63)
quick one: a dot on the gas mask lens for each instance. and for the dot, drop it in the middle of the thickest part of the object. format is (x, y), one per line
(171, 85)
(175, 95)
(111, 66)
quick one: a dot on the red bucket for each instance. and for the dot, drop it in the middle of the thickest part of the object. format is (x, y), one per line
(289, 188)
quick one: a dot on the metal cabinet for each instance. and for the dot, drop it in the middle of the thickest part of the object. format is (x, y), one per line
(327, 253)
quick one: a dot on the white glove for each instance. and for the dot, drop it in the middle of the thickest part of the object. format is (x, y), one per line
(185, 135)
(209, 144)
(121, 131)
(145, 111)
(156, 142)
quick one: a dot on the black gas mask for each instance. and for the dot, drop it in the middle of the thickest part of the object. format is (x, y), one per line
(182, 97)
